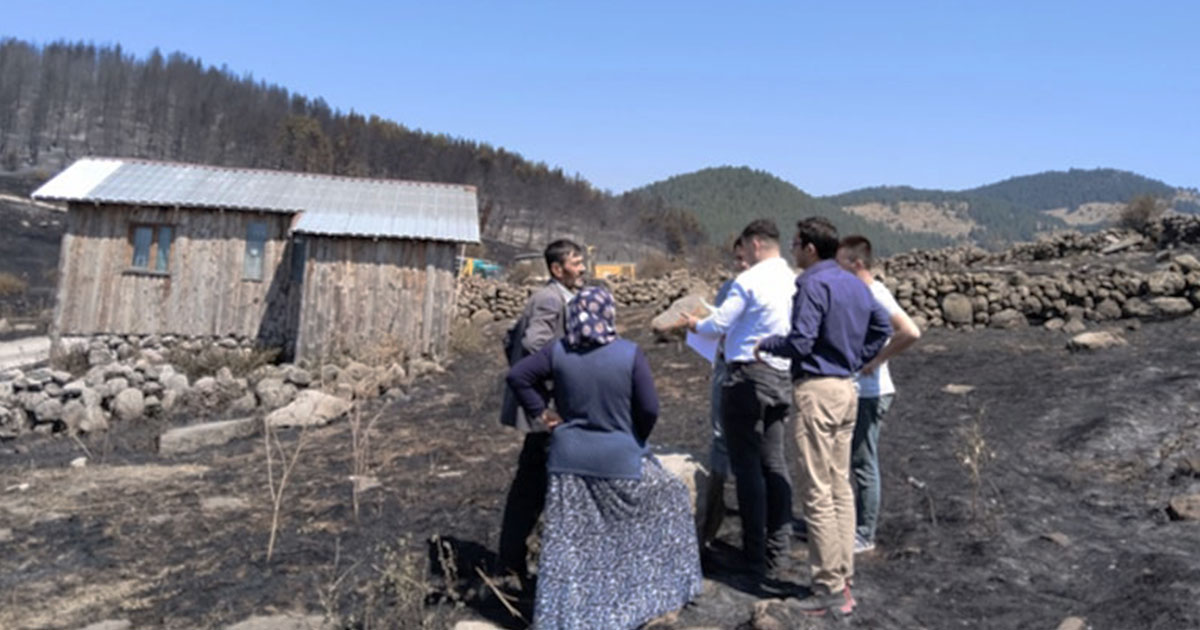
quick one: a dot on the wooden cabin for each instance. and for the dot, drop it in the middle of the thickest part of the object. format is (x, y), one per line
(316, 264)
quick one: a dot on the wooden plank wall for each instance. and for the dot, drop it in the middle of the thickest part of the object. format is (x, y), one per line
(204, 292)
(364, 297)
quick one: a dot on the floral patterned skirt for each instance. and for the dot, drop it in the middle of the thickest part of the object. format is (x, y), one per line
(616, 553)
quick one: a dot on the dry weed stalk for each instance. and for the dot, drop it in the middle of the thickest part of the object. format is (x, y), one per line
(504, 598)
(360, 449)
(974, 455)
(448, 560)
(403, 579)
(271, 438)
(330, 593)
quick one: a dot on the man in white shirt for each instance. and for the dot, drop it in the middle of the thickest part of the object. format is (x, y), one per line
(756, 395)
(875, 393)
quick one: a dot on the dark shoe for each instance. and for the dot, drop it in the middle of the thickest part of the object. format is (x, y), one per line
(820, 603)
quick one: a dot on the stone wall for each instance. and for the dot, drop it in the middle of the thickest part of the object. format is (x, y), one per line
(488, 300)
(1065, 298)
(967, 287)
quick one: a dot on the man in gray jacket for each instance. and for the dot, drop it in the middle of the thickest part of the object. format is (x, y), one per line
(543, 321)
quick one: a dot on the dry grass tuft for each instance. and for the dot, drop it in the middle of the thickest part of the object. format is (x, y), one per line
(11, 284)
(242, 362)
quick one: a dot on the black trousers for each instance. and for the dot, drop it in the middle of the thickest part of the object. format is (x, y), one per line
(754, 411)
(526, 498)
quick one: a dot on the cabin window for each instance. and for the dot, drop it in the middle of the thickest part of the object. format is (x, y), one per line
(256, 243)
(152, 247)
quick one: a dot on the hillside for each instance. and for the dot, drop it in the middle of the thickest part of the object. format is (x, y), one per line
(1017, 208)
(66, 100)
(726, 198)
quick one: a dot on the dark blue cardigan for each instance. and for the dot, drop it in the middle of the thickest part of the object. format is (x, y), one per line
(606, 398)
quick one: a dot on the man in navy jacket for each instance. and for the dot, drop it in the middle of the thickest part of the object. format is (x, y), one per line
(837, 326)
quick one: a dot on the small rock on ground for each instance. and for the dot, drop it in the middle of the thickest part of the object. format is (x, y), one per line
(283, 622)
(1073, 623)
(110, 624)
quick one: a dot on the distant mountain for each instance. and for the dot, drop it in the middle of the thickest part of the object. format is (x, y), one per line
(1014, 209)
(725, 199)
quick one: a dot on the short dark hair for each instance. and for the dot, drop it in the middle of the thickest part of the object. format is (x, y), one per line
(737, 242)
(761, 229)
(821, 233)
(558, 251)
(859, 248)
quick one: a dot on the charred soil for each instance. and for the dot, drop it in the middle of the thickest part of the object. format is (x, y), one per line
(1037, 495)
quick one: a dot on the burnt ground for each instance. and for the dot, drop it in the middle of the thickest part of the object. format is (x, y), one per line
(30, 236)
(1067, 517)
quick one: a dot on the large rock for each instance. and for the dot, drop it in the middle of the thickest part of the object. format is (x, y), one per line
(48, 410)
(115, 386)
(1169, 307)
(1136, 307)
(198, 436)
(82, 418)
(310, 408)
(244, 404)
(1097, 340)
(273, 393)
(957, 309)
(1108, 309)
(1187, 262)
(696, 477)
(174, 382)
(686, 305)
(297, 376)
(1074, 326)
(100, 356)
(1165, 283)
(1185, 508)
(130, 404)
(1008, 318)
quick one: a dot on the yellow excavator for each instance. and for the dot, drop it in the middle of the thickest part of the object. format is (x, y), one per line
(604, 271)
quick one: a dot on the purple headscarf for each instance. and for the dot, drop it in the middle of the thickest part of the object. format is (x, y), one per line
(591, 318)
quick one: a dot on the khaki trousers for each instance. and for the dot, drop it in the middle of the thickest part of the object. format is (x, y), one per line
(826, 409)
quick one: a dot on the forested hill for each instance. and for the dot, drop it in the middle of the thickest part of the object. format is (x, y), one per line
(726, 198)
(1073, 188)
(1019, 208)
(62, 101)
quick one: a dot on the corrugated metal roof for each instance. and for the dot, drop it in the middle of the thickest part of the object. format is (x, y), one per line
(327, 204)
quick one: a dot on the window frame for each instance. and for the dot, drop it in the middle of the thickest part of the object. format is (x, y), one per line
(262, 253)
(153, 248)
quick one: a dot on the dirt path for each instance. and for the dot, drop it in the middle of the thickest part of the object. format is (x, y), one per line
(25, 351)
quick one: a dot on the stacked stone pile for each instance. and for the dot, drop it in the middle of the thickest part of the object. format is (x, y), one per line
(482, 299)
(123, 384)
(1053, 247)
(1171, 231)
(1179, 229)
(657, 292)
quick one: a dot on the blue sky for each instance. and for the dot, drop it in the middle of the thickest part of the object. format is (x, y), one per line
(830, 96)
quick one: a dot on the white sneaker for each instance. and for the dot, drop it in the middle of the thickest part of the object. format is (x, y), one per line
(862, 545)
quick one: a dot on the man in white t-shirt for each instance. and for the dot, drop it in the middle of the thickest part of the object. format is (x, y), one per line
(875, 393)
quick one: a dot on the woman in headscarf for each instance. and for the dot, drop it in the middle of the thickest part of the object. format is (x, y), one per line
(618, 543)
